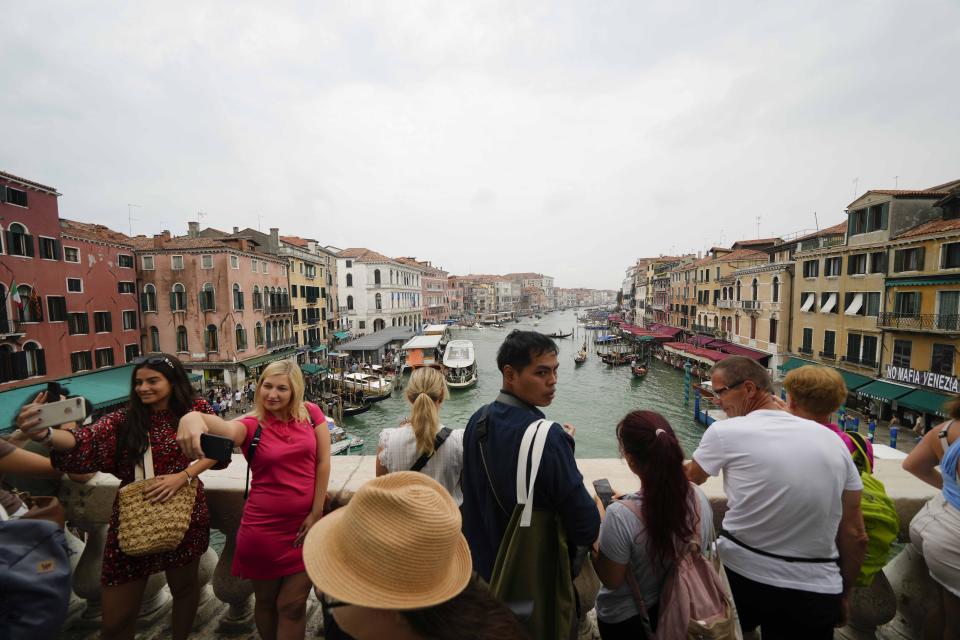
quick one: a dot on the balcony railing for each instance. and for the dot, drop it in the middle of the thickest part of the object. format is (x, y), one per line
(751, 305)
(920, 321)
(10, 328)
(807, 350)
(724, 304)
(277, 310)
(828, 355)
(282, 342)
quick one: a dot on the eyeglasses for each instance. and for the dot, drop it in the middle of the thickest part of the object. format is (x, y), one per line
(154, 360)
(722, 390)
(327, 603)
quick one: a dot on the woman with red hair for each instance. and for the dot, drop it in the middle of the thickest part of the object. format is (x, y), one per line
(646, 546)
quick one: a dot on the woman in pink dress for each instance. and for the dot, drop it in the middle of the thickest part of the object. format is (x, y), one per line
(290, 467)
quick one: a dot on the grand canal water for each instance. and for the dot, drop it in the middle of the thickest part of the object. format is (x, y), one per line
(593, 397)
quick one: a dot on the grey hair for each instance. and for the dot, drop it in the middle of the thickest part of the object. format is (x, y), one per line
(737, 368)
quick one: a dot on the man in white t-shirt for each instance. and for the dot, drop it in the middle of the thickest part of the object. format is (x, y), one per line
(793, 539)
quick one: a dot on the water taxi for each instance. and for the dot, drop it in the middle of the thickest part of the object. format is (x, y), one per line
(460, 364)
(422, 351)
(342, 443)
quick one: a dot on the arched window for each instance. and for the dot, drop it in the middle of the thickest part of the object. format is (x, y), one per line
(237, 297)
(154, 339)
(349, 302)
(349, 279)
(376, 276)
(241, 336)
(149, 301)
(378, 324)
(36, 366)
(286, 299)
(31, 307)
(754, 287)
(776, 289)
(715, 321)
(257, 298)
(19, 242)
(258, 334)
(724, 293)
(178, 298)
(738, 290)
(210, 338)
(182, 346)
(378, 301)
(208, 299)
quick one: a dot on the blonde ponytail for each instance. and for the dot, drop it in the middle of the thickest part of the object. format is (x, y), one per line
(425, 389)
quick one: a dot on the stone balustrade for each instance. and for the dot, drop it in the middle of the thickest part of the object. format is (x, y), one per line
(227, 603)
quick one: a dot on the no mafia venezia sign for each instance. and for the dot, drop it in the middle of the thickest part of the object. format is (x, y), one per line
(928, 379)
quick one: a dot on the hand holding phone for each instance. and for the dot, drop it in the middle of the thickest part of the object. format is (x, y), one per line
(219, 448)
(54, 414)
(604, 491)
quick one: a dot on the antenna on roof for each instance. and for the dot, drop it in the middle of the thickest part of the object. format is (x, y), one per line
(856, 183)
(896, 182)
(130, 217)
(816, 223)
(199, 215)
(758, 227)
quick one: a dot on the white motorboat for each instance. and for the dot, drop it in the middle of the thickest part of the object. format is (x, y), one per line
(341, 442)
(373, 386)
(460, 364)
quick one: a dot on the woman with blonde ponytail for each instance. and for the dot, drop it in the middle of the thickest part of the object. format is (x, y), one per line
(421, 442)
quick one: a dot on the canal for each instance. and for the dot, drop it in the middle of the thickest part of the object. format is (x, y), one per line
(593, 397)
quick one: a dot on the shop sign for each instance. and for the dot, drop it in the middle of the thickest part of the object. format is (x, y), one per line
(929, 379)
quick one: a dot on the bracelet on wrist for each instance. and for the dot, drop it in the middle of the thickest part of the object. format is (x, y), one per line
(47, 440)
(190, 478)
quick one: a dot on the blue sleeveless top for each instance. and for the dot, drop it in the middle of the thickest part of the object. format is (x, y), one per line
(948, 468)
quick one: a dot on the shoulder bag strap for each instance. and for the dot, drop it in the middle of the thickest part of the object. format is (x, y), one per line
(534, 440)
(251, 451)
(482, 431)
(442, 436)
(144, 470)
(860, 457)
(942, 438)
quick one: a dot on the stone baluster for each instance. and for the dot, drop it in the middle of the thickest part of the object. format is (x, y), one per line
(870, 607)
(915, 591)
(209, 605)
(235, 592)
(86, 577)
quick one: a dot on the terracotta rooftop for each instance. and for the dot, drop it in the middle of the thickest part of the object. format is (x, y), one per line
(908, 192)
(144, 243)
(837, 229)
(933, 226)
(361, 254)
(30, 183)
(751, 243)
(90, 231)
(295, 240)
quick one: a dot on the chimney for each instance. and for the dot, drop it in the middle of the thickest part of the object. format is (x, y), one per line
(236, 230)
(159, 239)
(244, 245)
(273, 246)
(193, 229)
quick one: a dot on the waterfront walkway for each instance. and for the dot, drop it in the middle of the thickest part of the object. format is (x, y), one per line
(226, 611)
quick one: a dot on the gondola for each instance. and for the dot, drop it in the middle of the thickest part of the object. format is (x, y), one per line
(352, 409)
(639, 369)
(559, 334)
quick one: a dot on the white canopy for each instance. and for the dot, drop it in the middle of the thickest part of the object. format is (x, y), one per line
(459, 353)
(855, 304)
(829, 304)
(808, 303)
(423, 342)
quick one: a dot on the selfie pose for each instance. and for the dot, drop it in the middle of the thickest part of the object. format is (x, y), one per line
(287, 446)
(160, 395)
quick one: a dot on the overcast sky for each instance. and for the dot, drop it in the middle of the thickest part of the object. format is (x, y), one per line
(562, 137)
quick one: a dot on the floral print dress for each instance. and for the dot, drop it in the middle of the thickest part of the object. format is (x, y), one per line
(96, 450)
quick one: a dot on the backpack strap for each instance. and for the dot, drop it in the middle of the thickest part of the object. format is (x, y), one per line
(251, 451)
(632, 579)
(860, 457)
(532, 445)
(442, 436)
(942, 438)
(482, 433)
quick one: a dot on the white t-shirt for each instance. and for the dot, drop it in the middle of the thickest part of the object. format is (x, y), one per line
(783, 477)
(399, 452)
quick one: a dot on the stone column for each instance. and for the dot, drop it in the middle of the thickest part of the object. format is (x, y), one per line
(236, 593)
(86, 577)
(209, 605)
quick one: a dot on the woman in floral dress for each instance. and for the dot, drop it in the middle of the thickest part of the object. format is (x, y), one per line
(160, 395)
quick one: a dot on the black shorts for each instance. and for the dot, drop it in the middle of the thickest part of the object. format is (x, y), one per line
(784, 613)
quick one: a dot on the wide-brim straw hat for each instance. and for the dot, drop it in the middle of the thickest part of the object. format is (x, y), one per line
(397, 545)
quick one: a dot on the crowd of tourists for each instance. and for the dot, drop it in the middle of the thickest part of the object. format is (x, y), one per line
(488, 531)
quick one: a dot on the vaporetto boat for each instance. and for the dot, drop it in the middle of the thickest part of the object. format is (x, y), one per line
(460, 364)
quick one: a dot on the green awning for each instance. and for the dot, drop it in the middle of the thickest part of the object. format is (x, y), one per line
(793, 363)
(270, 357)
(884, 391)
(340, 335)
(645, 338)
(853, 380)
(322, 347)
(309, 368)
(104, 388)
(926, 401)
(919, 281)
(195, 377)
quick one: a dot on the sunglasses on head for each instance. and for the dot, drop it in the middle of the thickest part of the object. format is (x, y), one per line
(153, 360)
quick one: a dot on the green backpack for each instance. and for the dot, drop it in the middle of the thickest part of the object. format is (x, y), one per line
(879, 515)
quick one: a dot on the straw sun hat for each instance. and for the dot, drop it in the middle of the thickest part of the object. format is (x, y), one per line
(397, 545)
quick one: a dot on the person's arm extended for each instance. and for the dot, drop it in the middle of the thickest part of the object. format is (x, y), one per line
(195, 423)
(27, 463)
(695, 472)
(923, 460)
(851, 539)
(320, 482)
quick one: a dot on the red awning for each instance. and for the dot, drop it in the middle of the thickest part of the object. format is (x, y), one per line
(669, 331)
(737, 350)
(702, 341)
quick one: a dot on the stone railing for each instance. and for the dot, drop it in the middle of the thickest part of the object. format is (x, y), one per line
(227, 604)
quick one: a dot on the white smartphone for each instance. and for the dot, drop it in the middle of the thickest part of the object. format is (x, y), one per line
(61, 412)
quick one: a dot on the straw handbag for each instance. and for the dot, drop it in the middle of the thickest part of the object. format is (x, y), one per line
(153, 527)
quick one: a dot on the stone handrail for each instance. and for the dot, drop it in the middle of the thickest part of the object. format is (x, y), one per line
(229, 600)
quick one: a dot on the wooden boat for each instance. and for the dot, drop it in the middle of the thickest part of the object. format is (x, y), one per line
(559, 334)
(639, 370)
(617, 359)
(354, 409)
(342, 442)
